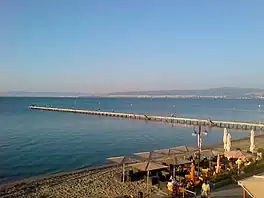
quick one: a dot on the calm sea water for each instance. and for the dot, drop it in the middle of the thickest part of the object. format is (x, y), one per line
(33, 142)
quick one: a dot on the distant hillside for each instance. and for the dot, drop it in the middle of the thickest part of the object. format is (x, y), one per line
(224, 91)
(42, 94)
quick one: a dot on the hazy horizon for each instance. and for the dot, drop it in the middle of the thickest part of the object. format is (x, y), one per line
(103, 47)
(151, 92)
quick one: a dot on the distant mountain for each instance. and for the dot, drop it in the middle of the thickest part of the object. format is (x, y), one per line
(42, 94)
(223, 91)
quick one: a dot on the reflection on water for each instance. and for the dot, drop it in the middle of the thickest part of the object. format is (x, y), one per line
(40, 142)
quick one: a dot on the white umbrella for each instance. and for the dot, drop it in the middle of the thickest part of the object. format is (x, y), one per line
(228, 143)
(225, 138)
(252, 141)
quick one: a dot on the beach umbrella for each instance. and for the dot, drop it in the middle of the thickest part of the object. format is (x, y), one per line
(209, 153)
(252, 141)
(166, 152)
(193, 172)
(175, 161)
(148, 166)
(218, 164)
(183, 149)
(150, 155)
(238, 155)
(225, 138)
(122, 160)
(229, 142)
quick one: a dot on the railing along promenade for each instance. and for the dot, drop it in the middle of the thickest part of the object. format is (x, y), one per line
(173, 120)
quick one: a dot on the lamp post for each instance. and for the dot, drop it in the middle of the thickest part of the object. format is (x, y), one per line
(199, 135)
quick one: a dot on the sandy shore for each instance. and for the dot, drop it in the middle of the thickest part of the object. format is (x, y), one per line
(94, 183)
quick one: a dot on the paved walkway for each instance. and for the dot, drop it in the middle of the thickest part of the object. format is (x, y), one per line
(231, 191)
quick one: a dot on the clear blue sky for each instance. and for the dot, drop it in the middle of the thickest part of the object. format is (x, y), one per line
(121, 45)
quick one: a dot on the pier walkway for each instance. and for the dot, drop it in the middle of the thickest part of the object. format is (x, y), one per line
(173, 120)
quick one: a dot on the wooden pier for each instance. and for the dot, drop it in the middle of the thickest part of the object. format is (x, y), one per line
(172, 120)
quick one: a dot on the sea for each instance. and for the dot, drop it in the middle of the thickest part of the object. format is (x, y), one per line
(34, 143)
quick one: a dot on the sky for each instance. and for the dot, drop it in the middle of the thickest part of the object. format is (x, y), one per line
(101, 46)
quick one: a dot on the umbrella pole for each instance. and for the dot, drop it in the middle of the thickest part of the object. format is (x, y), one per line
(174, 171)
(147, 179)
(123, 172)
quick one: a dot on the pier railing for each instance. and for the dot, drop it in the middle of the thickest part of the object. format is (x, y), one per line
(173, 120)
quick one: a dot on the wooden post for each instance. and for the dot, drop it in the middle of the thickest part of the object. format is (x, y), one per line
(147, 179)
(123, 172)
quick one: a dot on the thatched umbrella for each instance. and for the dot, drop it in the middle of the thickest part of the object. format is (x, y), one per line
(209, 153)
(149, 155)
(237, 155)
(148, 166)
(175, 161)
(122, 160)
(179, 151)
(184, 149)
(168, 152)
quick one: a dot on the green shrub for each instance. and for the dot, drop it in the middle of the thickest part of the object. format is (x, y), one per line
(221, 176)
(250, 168)
(254, 166)
(260, 164)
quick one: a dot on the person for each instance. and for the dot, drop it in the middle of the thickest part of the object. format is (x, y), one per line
(189, 185)
(170, 187)
(238, 162)
(173, 181)
(205, 189)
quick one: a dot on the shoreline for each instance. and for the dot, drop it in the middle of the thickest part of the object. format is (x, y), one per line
(59, 174)
(99, 166)
(96, 181)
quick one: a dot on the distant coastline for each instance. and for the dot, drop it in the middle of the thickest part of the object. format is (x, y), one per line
(214, 93)
(141, 96)
(185, 97)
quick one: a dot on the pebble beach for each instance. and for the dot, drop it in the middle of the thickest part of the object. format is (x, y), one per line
(98, 183)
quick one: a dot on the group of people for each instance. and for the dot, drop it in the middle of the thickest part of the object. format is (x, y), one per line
(174, 187)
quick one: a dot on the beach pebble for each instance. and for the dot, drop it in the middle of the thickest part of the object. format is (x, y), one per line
(82, 184)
